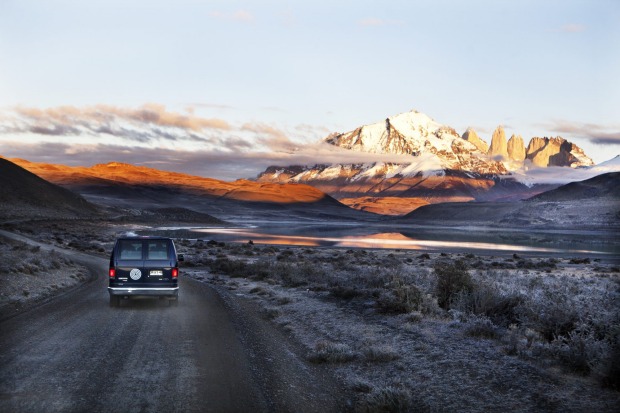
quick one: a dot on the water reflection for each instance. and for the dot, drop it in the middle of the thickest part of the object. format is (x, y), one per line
(414, 239)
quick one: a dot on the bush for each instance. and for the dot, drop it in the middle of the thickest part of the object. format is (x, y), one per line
(486, 300)
(390, 399)
(580, 350)
(452, 279)
(551, 316)
(234, 268)
(400, 297)
(399, 301)
(328, 352)
(481, 327)
(345, 292)
(379, 354)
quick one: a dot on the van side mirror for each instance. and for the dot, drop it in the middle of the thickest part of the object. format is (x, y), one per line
(180, 257)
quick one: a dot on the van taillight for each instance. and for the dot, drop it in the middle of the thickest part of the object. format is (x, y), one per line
(112, 272)
(175, 272)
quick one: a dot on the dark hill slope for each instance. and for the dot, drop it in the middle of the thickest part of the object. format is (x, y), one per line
(25, 195)
(592, 204)
(601, 186)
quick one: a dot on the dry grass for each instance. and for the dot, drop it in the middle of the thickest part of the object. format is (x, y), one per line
(27, 274)
(440, 332)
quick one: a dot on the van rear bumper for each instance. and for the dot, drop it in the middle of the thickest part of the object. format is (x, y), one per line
(163, 291)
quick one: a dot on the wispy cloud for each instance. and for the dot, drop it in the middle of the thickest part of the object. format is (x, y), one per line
(573, 28)
(194, 105)
(148, 125)
(595, 133)
(154, 135)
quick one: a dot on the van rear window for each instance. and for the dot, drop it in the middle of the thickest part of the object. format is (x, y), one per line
(157, 250)
(130, 250)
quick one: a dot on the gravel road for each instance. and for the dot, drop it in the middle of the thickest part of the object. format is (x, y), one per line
(209, 354)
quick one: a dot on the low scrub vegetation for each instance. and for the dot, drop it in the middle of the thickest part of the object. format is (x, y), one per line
(27, 273)
(541, 311)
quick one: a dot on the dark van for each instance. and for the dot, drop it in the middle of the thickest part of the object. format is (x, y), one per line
(145, 267)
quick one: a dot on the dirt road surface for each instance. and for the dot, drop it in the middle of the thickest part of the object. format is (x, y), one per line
(209, 354)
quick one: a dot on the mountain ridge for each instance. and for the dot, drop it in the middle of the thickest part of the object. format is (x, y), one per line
(442, 164)
(116, 172)
(589, 204)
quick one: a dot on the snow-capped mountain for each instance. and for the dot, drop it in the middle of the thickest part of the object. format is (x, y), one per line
(436, 164)
(428, 142)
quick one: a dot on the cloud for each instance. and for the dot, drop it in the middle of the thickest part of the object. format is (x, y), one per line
(151, 134)
(194, 105)
(561, 175)
(595, 133)
(573, 28)
(150, 122)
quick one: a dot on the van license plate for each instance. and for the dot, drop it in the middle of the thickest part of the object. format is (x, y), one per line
(156, 273)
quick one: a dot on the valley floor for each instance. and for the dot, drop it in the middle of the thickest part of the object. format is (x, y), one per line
(407, 330)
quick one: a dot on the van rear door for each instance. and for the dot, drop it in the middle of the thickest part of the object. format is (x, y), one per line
(129, 260)
(159, 260)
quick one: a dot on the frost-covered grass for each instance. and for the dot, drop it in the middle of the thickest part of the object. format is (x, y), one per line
(436, 332)
(28, 274)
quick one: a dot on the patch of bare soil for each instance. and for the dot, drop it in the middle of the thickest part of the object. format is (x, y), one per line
(411, 331)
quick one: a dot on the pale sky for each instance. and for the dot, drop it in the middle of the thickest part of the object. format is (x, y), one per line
(226, 88)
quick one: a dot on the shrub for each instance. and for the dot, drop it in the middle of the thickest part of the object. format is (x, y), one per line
(452, 279)
(259, 270)
(551, 316)
(285, 255)
(579, 350)
(288, 274)
(379, 354)
(481, 327)
(400, 297)
(486, 300)
(328, 352)
(390, 399)
(345, 292)
(234, 268)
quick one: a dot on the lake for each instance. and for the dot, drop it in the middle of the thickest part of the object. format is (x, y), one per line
(461, 239)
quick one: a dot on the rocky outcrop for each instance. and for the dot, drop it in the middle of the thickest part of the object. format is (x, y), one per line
(471, 136)
(498, 148)
(543, 152)
(516, 148)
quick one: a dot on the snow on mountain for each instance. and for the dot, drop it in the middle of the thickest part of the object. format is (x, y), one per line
(431, 145)
(435, 163)
(612, 165)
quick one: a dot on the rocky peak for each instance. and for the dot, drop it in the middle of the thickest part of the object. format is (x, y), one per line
(516, 148)
(470, 135)
(403, 134)
(498, 148)
(556, 151)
